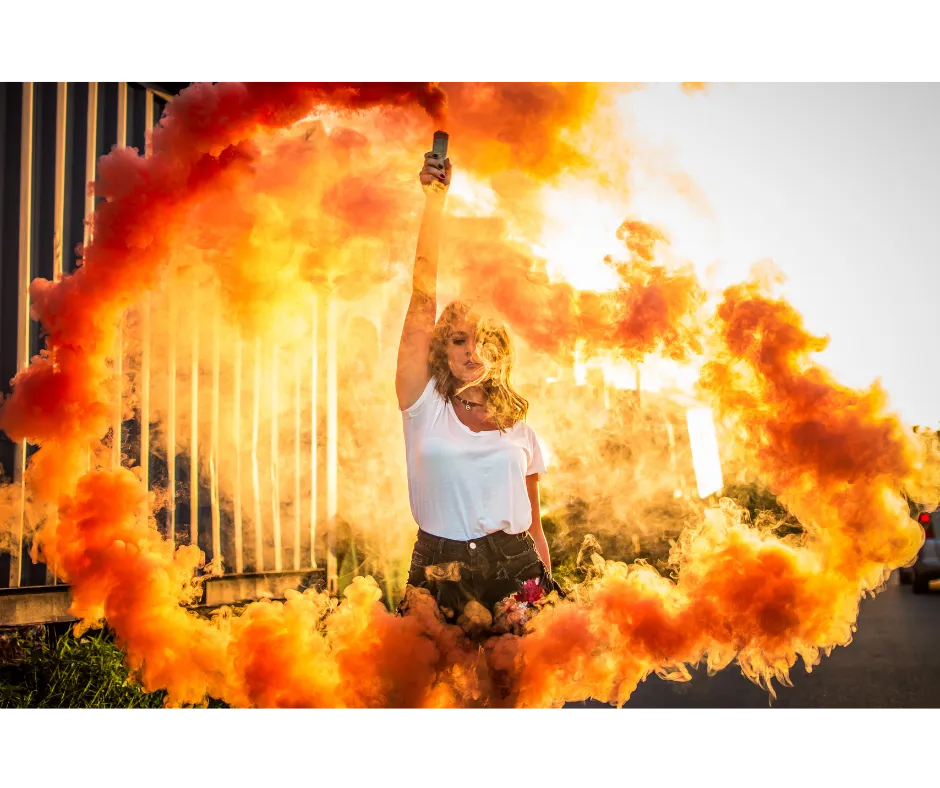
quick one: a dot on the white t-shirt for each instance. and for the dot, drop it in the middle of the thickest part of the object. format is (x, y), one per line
(464, 484)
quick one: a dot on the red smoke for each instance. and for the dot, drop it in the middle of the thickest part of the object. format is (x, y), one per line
(202, 145)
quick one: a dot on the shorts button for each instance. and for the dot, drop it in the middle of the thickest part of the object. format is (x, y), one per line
(473, 545)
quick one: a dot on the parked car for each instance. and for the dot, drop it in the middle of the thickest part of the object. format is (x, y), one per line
(927, 565)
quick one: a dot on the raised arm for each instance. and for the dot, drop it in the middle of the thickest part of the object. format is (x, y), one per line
(413, 371)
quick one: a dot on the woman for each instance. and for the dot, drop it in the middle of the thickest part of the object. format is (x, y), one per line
(473, 462)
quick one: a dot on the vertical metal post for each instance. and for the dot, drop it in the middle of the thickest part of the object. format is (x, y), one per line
(171, 411)
(148, 123)
(194, 434)
(118, 415)
(58, 222)
(314, 425)
(214, 436)
(145, 343)
(275, 480)
(91, 143)
(255, 478)
(297, 501)
(331, 446)
(236, 439)
(59, 211)
(22, 314)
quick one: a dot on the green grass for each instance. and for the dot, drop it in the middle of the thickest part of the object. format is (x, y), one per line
(71, 673)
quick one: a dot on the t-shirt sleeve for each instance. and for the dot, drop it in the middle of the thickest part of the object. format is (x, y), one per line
(536, 458)
(422, 404)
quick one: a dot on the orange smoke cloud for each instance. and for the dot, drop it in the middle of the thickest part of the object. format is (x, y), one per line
(212, 185)
(520, 126)
(305, 652)
(837, 460)
(201, 148)
(653, 309)
(833, 455)
(342, 179)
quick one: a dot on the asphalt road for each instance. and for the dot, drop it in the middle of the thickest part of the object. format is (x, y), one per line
(893, 662)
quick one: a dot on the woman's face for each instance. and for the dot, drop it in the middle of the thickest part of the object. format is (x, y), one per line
(462, 355)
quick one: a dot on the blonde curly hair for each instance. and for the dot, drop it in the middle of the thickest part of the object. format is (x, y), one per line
(504, 405)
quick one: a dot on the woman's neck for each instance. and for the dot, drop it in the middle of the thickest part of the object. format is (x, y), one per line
(474, 394)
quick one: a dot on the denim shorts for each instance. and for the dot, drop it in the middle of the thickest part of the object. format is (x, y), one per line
(486, 570)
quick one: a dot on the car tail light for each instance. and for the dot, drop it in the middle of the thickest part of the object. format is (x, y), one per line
(924, 520)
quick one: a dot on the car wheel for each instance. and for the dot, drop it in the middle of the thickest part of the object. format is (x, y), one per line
(920, 585)
(904, 575)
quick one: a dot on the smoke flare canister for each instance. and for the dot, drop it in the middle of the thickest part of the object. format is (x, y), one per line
(439, 149)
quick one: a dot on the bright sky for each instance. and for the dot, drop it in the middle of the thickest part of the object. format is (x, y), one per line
(839, 185)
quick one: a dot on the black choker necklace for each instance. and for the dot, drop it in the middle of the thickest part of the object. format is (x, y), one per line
(468, 405)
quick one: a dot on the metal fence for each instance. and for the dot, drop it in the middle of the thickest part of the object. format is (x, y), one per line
(51, 136)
